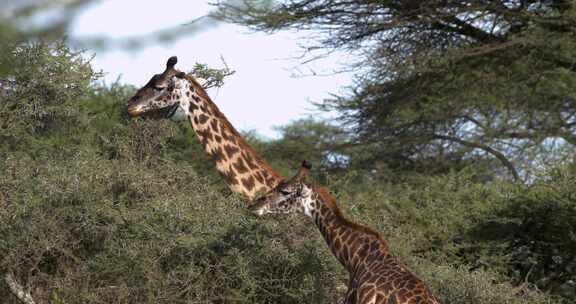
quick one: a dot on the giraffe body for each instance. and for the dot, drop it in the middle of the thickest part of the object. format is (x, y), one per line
(376, 276)
(181, 96)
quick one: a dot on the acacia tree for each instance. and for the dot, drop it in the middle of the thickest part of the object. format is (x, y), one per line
(444, 79)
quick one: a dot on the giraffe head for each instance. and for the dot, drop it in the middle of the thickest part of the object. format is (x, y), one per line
(162, 92)
(295, 195)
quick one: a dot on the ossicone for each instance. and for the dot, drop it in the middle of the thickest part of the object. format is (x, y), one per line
(171, 62)
(303, 171)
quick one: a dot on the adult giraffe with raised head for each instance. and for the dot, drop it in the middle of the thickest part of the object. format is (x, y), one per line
(182, 96)
(376, 276)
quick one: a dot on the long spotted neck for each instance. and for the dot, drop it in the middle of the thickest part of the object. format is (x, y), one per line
(355, 246)
(244, 171)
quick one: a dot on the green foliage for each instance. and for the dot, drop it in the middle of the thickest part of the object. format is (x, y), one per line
(40, 94)
(543, 220)
(450, 82)
(109, 231)
(516, 235)
(460, 285)
(104, 209)
(213, 77)
(306, 139)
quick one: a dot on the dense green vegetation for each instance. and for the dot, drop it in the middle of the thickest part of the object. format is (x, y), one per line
(99, 208)
(455, 99)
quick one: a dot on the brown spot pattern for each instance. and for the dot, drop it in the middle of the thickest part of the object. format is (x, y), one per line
(218, 155)
(250, 161)
(218, 137)
(225, 135)
(203, 119)
(230, 177)
(231, 150)
(240, 167)
(205, 109)
(375, 274)
(259, 177)
(205, 136)
(214, 125)
(248, 183)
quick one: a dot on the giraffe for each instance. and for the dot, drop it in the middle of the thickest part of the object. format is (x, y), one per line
(179, 96)
(375, 275)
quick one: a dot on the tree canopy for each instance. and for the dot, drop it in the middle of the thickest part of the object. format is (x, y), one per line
(461, 80)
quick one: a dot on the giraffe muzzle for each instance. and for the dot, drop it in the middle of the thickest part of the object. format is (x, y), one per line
(135, 110)
(257, 208)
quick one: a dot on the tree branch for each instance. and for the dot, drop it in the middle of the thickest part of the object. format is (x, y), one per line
(486, 148)
(458, 26)
(18, 290)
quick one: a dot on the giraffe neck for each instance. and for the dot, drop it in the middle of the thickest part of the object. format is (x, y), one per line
(244, 171)
(355, 246)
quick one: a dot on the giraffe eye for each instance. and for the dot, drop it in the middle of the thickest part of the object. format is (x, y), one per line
(158, 88)
(284, 192)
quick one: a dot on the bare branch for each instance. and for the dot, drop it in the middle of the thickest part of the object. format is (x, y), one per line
(18, 290)
(485, 148)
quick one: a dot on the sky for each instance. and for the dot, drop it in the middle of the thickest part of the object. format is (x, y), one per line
(263, 92)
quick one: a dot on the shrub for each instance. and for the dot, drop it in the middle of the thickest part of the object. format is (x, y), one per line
(97, 208)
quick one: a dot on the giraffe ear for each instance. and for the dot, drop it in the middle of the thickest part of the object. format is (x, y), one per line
(171, 62)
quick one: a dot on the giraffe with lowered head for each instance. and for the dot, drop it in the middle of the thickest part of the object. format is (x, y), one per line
(376, 276)
(179, 95)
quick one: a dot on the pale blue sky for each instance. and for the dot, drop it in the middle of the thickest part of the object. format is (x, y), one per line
(260, 95)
